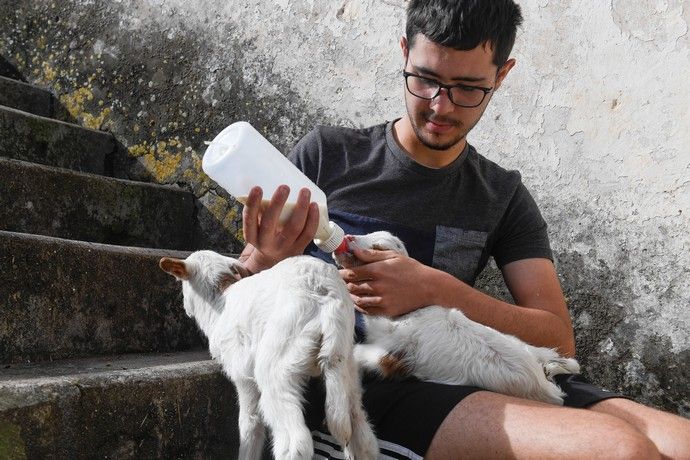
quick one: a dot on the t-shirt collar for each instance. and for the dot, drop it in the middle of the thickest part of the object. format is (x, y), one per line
(408, 163)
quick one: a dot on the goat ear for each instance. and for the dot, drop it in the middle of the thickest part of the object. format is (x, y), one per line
(175, 267)
(237, 272)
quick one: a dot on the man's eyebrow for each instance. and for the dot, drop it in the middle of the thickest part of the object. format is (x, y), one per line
(467, 78)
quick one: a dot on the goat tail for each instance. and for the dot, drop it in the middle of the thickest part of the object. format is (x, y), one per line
(345, 416)
(337, 364)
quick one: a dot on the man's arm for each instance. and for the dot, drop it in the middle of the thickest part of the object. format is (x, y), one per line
(394, 285)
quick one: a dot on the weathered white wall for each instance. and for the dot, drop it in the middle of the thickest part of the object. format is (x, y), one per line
(596, 116)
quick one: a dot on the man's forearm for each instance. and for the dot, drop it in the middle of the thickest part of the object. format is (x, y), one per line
(532, 325)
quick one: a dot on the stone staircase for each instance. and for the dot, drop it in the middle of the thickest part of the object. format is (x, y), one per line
(97, 358)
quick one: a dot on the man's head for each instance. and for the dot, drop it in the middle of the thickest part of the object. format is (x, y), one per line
(463, 45)
(466, 24)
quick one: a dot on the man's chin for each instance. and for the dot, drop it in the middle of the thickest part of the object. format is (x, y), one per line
(436, 142)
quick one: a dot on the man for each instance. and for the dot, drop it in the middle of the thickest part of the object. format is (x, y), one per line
(419, 178)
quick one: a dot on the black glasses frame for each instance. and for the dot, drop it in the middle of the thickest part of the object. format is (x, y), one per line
(447, 88)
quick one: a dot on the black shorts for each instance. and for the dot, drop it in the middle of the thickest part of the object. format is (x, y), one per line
(406, 413)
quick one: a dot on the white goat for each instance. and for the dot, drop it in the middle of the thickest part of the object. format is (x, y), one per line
(442, 345)
(271, 332)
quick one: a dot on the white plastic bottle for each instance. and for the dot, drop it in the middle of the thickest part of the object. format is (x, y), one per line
(240, 158)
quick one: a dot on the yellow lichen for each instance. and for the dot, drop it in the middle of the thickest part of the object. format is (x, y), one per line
(75, 103)
(162, 168)
(96, 121)
(49, 72)
(218, 208)
(139, 150)
(195, 174)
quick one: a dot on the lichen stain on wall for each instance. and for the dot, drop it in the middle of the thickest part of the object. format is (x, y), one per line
(162, 89)
(75, 103)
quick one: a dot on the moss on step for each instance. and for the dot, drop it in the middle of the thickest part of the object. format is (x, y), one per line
(11, 443)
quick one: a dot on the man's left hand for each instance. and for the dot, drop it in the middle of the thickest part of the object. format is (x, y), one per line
(388, 283)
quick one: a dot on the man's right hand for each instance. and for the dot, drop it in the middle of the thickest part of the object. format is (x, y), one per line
(268, 240)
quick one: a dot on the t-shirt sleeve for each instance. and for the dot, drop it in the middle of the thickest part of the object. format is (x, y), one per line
(306, 154)
(522, 233)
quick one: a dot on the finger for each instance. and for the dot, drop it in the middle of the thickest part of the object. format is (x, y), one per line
(359, 309)
(373, 255)
(347, 275)
(250, 215)
(271, 216)
(361, 289)
(310, 226)
(356, 274)
(295, 224)
(368, 302)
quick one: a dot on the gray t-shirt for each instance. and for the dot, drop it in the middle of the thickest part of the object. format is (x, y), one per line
(453, 218)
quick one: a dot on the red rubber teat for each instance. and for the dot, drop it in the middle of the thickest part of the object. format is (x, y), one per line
(342, 247)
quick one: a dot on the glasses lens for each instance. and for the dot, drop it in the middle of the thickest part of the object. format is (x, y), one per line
(466, 96)
(422, 87)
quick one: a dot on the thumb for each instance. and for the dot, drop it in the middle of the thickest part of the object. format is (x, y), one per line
(373, 255)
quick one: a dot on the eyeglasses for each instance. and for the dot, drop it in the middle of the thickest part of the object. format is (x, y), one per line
(461, 95)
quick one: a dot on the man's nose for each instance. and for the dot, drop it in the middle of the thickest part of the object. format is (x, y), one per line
(441, 103)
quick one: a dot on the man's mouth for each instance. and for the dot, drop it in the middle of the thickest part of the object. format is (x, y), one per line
(439, 126)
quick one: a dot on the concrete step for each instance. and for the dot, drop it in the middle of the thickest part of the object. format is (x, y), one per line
(125, 407)
(64, 299)
(66, 204)
(8, 70)
(28, 137)
(23, 96)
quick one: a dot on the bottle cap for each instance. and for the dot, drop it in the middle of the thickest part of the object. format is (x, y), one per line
(335, 239)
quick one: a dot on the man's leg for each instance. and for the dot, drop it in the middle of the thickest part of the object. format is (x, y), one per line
(490, 425)
(669, 432)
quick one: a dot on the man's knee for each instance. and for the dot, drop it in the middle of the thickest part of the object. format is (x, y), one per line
(625, 442)
(529, 430)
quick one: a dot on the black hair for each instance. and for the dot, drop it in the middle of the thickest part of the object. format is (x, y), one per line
(466, 24)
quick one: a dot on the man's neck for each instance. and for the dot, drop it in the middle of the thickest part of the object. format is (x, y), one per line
(407, 139)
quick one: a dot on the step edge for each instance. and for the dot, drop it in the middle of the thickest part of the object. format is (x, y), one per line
(66, 171)
(103, 247)
(4, 108)
(20, 393)
(20, 83)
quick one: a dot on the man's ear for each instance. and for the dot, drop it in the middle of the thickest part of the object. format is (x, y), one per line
(403, 47)
(175, 267)
(503, 72)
